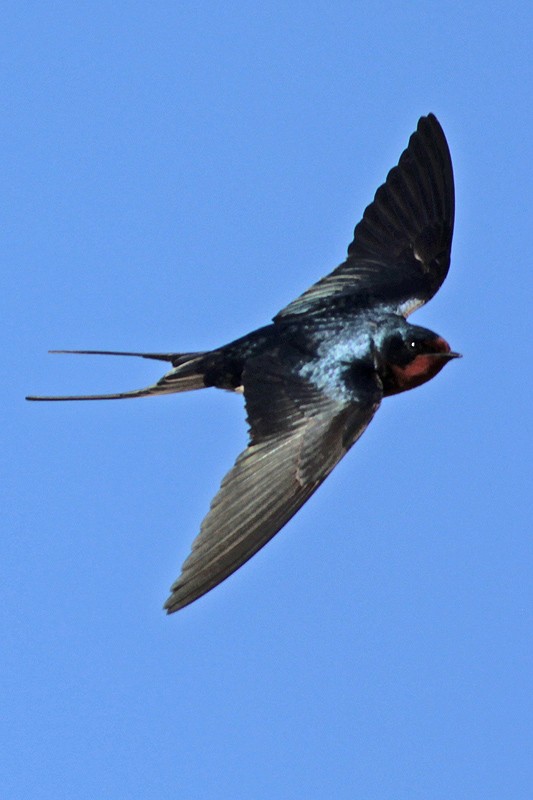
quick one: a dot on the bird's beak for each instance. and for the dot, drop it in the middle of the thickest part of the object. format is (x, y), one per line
(443, 349)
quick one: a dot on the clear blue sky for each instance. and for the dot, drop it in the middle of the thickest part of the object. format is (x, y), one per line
(174, 174)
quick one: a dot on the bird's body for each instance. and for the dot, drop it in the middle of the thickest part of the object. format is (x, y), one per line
(313, 379)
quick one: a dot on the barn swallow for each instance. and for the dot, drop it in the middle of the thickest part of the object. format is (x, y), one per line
(313, 379)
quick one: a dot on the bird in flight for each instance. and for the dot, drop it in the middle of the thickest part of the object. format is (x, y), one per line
(313, 379)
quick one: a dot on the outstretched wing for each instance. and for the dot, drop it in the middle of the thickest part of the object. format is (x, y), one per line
(298, 434)
(400, 254)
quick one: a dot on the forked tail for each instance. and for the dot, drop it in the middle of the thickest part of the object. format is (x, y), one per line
(187, 374)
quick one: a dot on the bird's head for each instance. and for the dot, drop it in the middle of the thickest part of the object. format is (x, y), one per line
(410, 356)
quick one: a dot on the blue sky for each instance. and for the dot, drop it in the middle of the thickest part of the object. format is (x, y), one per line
(175, 173)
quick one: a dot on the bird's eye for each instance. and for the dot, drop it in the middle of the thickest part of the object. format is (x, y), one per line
(413, 345)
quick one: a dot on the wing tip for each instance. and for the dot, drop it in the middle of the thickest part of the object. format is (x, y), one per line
(178, 599)
(169, 607)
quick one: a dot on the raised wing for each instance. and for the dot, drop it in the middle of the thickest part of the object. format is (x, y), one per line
(400, 254)
(298, 434)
